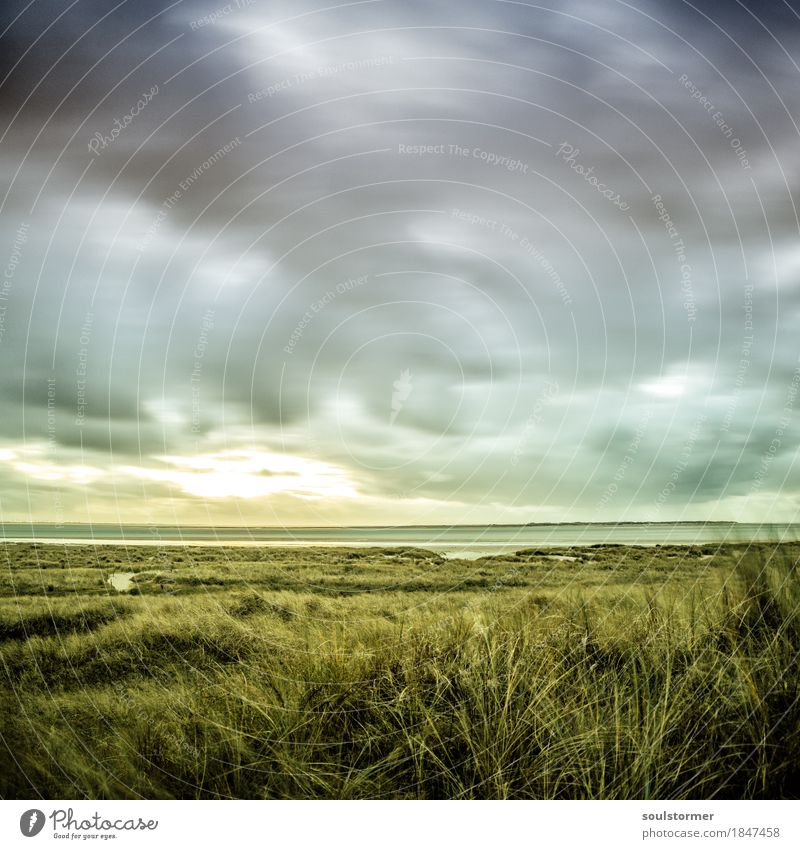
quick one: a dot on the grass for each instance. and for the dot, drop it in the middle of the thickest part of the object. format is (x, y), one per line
(626, 673)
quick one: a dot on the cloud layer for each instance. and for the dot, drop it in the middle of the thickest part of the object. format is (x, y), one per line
(399, 262)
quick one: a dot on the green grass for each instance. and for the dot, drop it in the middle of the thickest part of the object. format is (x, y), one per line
(627, 673)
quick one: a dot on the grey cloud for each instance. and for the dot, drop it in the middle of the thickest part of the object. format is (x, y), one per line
(268, 229)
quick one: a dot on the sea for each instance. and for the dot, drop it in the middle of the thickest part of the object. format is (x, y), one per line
(454, 541)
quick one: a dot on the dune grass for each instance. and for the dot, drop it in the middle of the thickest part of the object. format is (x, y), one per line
(622, 673)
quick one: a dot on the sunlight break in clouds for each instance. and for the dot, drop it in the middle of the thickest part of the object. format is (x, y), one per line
(249, 474)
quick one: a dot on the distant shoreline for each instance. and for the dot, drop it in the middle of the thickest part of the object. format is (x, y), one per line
(450, 540)
(283, 528)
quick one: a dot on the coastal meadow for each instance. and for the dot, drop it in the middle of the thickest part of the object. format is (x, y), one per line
(602, 672)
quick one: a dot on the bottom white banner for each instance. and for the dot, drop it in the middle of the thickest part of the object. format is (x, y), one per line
(371, 824)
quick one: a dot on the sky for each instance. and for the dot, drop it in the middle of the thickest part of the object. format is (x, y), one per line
(399, 262)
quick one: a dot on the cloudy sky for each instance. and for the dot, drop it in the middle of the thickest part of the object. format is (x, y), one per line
(394, 261)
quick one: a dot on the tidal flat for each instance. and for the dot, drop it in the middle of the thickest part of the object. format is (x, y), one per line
(204, 671)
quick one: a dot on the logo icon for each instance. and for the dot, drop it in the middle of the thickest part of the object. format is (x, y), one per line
(402, 389)
(31, 822)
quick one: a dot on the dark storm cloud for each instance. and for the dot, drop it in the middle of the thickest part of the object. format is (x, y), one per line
(262, 253)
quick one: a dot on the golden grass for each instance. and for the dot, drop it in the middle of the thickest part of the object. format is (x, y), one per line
(268, 673)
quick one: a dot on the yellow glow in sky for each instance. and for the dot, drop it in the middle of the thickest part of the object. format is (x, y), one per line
(250, 473)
